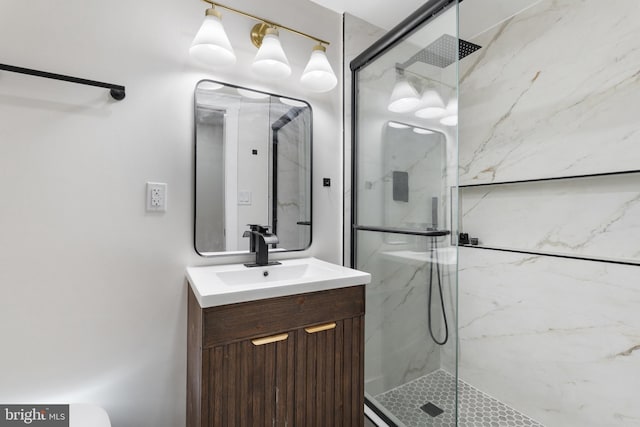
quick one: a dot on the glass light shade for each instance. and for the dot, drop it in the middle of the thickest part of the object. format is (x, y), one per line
(432, 105)
(452, 106)
(211, 45)
(404, 97)
(451, 120)
(318, 76)
(270, 61)
(451, 117)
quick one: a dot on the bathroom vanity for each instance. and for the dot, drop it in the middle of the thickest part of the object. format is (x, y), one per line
(272, 345)
(291, 358)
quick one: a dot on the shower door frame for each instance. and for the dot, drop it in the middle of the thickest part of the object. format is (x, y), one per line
(430, 10)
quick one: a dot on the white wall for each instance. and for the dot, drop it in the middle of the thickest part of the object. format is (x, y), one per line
(552, 93)
(94, 295)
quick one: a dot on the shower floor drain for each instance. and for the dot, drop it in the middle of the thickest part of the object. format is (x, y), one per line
(431, 409)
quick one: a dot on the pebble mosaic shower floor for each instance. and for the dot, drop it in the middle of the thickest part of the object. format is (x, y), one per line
(476, 408)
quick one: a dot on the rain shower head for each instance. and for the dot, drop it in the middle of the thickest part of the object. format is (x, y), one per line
(442, 52)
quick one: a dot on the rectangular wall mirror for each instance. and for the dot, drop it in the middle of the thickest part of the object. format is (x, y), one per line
(252, 166)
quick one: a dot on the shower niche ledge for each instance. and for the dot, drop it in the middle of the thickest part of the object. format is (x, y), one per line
(585, 217)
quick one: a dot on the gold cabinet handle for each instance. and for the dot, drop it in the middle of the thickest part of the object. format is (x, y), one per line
(271, 339)
(320, 328)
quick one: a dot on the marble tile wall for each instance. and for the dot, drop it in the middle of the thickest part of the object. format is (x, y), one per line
(553, 92)
(398, 345)
(422, 158)
(591, 217)
(557, 339)
(293, 204)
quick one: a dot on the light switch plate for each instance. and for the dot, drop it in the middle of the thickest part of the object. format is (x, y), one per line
(244, 198)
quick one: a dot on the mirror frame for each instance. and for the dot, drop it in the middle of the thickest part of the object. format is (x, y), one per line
(195, 173)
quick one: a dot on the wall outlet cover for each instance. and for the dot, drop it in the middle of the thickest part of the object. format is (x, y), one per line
(156, 197)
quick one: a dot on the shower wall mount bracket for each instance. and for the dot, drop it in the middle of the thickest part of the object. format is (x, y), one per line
(117, 92)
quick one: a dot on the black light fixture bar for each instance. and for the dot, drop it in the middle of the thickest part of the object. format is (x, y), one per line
(267, 21)
(117, 92)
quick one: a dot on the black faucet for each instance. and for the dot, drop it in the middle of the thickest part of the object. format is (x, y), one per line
(259, 239)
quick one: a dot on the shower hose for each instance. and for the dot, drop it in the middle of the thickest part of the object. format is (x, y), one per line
(434, 259)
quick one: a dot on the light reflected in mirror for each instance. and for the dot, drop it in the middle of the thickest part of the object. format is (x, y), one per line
(414, 186)
(253, 166)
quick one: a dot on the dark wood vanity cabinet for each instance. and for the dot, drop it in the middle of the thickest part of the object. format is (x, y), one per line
(295, 361)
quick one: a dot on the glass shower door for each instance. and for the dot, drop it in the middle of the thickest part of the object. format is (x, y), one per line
(404, 220)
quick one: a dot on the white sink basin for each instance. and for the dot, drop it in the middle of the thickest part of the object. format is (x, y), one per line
(232, 283)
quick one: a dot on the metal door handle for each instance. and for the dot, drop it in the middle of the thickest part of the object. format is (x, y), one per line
(269, 340)
(320, 328)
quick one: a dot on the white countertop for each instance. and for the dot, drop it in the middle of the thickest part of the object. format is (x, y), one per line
(232, 283)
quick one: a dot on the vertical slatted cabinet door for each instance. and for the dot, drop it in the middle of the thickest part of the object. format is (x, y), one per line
(249, 382)
(328, 375)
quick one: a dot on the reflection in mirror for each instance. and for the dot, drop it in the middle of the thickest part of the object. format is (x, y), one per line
(253, 166)
(414, 166)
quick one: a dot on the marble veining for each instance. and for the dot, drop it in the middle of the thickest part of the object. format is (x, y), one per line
(592, 217)
(293, 200)
(557, 339)
(397, 341)
(553, 92)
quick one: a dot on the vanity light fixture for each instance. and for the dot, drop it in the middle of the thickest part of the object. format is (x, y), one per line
(212, 47)
(431, 105)
(449, 120)
(404, 97)
(452, 105)
(271, 61)
(318, 75)
(451, 113)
